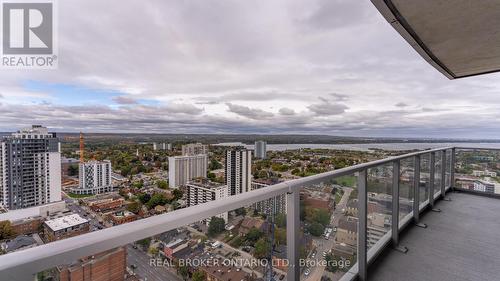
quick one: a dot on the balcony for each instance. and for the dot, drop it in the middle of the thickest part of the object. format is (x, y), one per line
(403, 225)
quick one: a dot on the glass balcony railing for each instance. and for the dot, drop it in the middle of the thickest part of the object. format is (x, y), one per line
(328, 226)
(478, 170)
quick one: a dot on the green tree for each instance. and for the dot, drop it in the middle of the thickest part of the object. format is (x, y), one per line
(183, 271)
(240, 211)
(321, 216)
(144, 242)
(177, 194)
(157, 199)
(6, 230)
(144, 197)
(138, 184)
(254, 234)
(73, 170)
(153, 251)
(261, 248)
(316, 229)
(134, 207)
(280, 236)
(281, 220)
(216, 226)
(162, 184)
(214, 165)
(198, 276)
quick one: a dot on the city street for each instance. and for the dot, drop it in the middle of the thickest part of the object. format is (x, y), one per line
(323, 245)
(144, 270)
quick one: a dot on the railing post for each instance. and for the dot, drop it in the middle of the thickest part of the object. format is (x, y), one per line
(292, 235)
(432, 176)
(452, 170)
(395, 202)
(443, 173)
(362, 225)
(396, 165)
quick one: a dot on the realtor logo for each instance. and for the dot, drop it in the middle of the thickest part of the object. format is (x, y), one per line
(28, 35)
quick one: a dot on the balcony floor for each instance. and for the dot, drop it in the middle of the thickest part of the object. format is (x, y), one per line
(460, 243)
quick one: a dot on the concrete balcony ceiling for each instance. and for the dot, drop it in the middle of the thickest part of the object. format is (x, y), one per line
(460, 38)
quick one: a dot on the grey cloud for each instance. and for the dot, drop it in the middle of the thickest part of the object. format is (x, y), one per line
(401, 104)
(248, 112)
(339, 97)
(183, 108)
(327, 108)
(286, 111)
(276, 53)
(124, 100)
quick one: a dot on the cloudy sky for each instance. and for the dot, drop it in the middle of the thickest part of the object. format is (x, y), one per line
(292, 66)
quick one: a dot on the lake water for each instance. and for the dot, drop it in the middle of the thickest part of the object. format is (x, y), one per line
(368, 146)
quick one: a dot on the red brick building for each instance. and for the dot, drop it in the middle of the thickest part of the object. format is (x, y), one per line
(27, 225)
(106, 204)
(106, 266)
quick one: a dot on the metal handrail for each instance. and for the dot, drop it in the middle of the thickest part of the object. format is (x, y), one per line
(22, 265)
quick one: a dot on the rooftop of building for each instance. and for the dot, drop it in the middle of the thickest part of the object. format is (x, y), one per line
(20, 242)
(349, 223)
(36, 211)
(65, 222)
(205, 183)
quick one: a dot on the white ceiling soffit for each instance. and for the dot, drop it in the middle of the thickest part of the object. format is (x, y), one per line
(460, 38)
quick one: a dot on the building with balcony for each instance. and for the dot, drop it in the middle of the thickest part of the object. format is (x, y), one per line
(275, 205)
(192, 149)
(30, 168)
(182, 169)
(94, 178)
(202, 191)
(238, 170)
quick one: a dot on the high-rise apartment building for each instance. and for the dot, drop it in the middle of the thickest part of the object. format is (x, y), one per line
(182, 169)
(271, 206)
(94, 177)
(194, 149)
(202, 190)
(30, 168)
(260, 149)
(238, 170)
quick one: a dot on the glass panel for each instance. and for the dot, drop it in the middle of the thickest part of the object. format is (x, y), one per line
(379, 203)
(478, 170)
(437, 172)
(424, 178)
(329, 216)
(448, 168)
(238, 245)
(406, 184)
